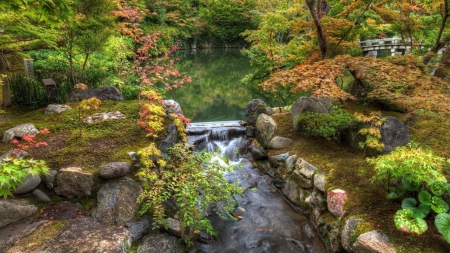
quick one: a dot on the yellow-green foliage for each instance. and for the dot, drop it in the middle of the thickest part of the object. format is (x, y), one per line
(152, 113)
(372, 131)
(180, 128)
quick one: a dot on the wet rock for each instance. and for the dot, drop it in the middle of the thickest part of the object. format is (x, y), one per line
(86, 235)
(104, 116)
(138, 228)
(254, 109)
(373, 242)
(290, 190)
(308, 231)
(15, 153)
(41, 196)
(30, 182)
(19, 131)
(349, 227)
(265, 129)
(73, 182)
(335, 201)
(258, 153)
(316, 202)
(279, 142)
(278, 160)
(104, 93)
(12, 210)
(306, 104)
(160, 243)
(297, 244)
(117, 202)
(56, 108)
(49, 179)
(170, 140)
(393, 134)
(114, 169)
(320, 181)
(250, 131)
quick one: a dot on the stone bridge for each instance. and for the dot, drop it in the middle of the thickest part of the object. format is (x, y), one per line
(396, 46)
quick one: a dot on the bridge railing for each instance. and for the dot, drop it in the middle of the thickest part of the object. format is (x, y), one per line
(382, 42)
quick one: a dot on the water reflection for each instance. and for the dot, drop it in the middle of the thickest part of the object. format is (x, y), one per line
(216, 92)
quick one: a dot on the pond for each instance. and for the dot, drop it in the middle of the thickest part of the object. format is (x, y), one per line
(216, 92)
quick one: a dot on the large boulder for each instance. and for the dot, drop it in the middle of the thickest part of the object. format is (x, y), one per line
(172, 107)
(161, 242)
(307, 104)
(170, 140)
(373, 242)
(56, 108)
(265, 129)
(114, 169)
(15, 232)
(12, 210)
(117, 202)
(73, 182)
(349, 228)
(19, 131)
(104, 116)
(139, 228)
(393, 134)
(279, 142)
(335, 202)
(104, 93)
(85, 235)
(254, 109)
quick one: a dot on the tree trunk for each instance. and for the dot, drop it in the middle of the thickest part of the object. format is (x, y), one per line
(438, 45)
(321, 36)
(4, 66)
(444, 65)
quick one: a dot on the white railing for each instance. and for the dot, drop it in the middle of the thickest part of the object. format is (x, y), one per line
(383, 42)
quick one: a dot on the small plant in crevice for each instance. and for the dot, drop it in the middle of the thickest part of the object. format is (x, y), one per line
(371, 131)
(190, 183)
(415, 173)
(85, 106)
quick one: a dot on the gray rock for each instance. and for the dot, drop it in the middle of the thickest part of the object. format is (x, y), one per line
(290, 190)
(41, 196)
(55, 108)
(373, 242)
(49, 179)
(349, 227)
(174, 227)
(15, 153)
(306, 104)
(265, 129)
(279, 142)
(258, 153)
(290, 163)
(170, 140)
(335, 240)
(73, 182)
(303, 181)
(19, 131)
(138, 228)
(305, 168)
(160, 243)
(393, 134)
(12, 210)
(104, 93)
(104, 116)
(28, 184)
(172, 107)
(278, 160)
(85, 235)
(320, 181)
(317, 203)
(117, 202)
(114, 169)
(254, 109)
(308, 231)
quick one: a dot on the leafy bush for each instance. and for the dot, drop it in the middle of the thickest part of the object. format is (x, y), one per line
(420, 173)
(14, 170)
(371, 131)
(27, 92)
(326, 125)
(190, 183)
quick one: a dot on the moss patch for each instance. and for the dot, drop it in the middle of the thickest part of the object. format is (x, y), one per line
(33, 242)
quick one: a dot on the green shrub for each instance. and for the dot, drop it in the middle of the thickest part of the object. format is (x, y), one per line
(326, 125)
(190, 184)
(14, 170)
(27, 92)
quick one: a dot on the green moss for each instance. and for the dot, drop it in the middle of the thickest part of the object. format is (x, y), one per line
(35, 241)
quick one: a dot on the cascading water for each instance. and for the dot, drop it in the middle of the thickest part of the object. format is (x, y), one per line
(267, 223)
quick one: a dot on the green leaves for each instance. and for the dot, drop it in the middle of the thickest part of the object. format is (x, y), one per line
(439, 205)
(405, 221)
(418, 212)
(442, 222)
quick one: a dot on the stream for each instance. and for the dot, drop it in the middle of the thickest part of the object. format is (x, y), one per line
(269, 223)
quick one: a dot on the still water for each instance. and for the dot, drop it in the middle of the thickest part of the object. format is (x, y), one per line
(216, 92)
